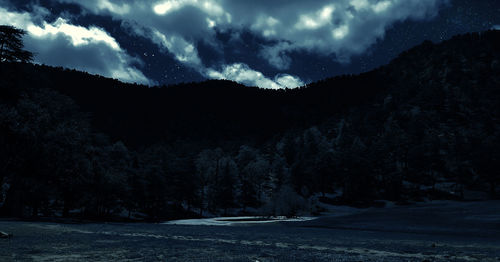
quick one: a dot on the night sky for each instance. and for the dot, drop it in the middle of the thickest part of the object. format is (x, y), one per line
(265, 43)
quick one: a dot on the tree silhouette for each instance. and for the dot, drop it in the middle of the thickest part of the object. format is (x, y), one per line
(11, 45)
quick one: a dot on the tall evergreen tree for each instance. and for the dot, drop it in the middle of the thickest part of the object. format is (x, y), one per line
(11, 45)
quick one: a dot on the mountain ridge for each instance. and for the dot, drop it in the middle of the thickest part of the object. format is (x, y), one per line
(278, 110)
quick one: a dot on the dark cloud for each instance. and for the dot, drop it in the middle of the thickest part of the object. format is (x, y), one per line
(61, 43)
(337, 29)
(342, 28)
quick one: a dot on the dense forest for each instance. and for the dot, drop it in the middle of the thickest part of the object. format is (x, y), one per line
(425, 126)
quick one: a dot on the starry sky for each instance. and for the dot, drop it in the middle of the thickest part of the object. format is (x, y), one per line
(265, 43)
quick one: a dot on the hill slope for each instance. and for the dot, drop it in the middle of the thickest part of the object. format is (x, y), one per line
(429, 118)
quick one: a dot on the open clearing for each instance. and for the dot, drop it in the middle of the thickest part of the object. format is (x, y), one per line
(441, 231)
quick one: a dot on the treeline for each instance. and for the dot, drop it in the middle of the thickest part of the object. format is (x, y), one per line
(53, 164)
(426, 126)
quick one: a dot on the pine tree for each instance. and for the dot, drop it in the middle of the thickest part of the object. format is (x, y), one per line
(11, 45)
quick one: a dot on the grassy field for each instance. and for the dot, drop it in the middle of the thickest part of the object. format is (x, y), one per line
(441, 231)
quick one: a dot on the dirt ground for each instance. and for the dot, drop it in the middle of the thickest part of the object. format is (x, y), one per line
(440, 231)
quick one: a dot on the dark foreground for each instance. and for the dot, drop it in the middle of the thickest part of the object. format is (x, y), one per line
(435, 232)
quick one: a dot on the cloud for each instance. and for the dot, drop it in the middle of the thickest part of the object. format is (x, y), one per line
(183, 50)
(91, 49)
(341, 28)
(496, 27)
(243, 74)
(276, 55)
(337, 28)
(76, 35)
(104, 6)
(175, 42)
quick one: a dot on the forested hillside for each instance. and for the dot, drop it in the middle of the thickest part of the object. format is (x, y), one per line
(74, 144)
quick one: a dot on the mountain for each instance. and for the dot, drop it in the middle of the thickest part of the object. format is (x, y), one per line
(427, 120)
(215, 110)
